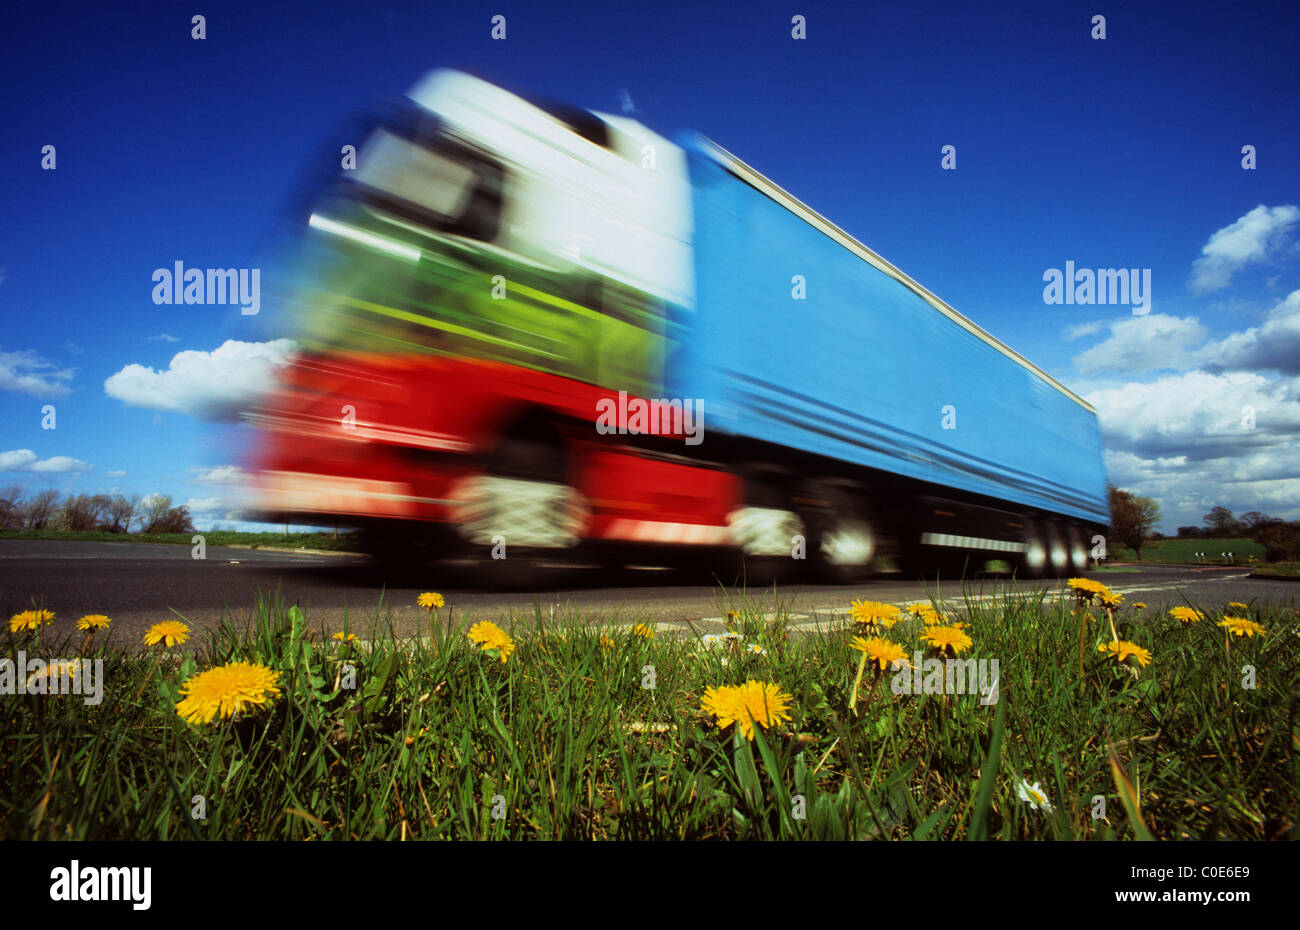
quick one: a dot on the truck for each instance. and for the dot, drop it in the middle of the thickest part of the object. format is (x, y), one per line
(529, 331)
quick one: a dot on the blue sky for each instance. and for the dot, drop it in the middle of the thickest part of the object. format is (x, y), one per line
(1123, 152)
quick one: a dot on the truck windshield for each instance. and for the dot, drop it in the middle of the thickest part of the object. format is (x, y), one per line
(411, 262)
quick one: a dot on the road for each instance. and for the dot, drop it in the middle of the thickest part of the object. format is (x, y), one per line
(138, 584)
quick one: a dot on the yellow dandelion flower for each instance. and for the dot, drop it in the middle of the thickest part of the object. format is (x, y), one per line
(881, 651)
(606, 642)
(1109, 598)
(489, 636)
(1123, 650)
(1240, 626)
(744, 705)
(926, 613)
(952, 639)
(30, 620)
(227, 690)
(169, 633)
(874, 613)
(1186, 614)
(1138, 605)
(429, 600)
(93, 622)
(1086, 587)
(1238, 605)
(346, 637)
(643, 630)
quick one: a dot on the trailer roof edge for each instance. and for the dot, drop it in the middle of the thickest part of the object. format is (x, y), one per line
(779, 194)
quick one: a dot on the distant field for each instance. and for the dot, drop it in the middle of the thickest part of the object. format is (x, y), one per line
(215, 538)
(1182, 550)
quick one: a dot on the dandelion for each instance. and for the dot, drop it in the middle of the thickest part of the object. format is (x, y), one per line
(1237, 605)
(1138, 605)
(169, 633)
(492, 640)
(607, 642)
(953, 639)
(881, 651)
(227, 690)
(874, 614)
(1240, 626)
(1109, 599)
(429, 600)
(93, 622)
(1086, 587)
(643, 630)
(30, 620)
(926, 613)
(345, 637)
(1033, 795)
(744, 705)
(1186, 614)
(1123, 650)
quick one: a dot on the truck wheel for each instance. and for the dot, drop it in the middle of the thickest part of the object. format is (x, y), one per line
(1032, 564)
(1078, 549)
(518, 510)
(1058, 550)
(842, 539)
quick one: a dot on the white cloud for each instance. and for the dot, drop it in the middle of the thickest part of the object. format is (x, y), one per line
(205, 506)
(209, 385)
(1198, 414)
(1250, 239)
(163, 337)
(1079, 330)
(25, 371)
(1187, 441)
(221, 474)
(1275, 344)
(27, 460)
(1143, 343)
(115, 473)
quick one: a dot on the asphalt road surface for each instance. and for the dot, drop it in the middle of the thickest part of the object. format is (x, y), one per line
(138, 584)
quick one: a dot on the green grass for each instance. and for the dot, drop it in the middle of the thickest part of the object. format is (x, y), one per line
(1278, 570)
(572, 745)
(1180, 551)
(341, 543)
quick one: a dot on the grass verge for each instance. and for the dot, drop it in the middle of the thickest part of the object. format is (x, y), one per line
(586, 733)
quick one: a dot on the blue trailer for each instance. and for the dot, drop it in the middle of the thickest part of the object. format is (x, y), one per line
(870, 368)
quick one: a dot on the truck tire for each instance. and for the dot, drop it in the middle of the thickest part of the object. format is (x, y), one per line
(1077, 541)
(1032, 564)
(1058, 551)
(842, 538)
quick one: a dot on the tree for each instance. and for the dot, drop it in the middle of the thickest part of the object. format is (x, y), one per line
(39, 511)
(82, 512)
(1189, 532)
(157, 515)
(11, 507)
(1132, 519)
(120, 510)
(1254, 521)
(1220, 522)
(1281, 541)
